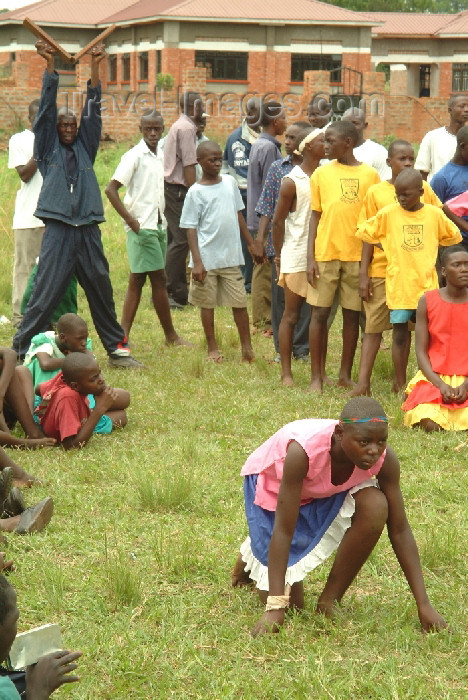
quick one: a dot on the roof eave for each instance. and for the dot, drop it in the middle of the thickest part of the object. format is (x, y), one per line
(263, 22)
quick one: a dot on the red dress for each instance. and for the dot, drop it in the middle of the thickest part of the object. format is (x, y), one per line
(448, 350)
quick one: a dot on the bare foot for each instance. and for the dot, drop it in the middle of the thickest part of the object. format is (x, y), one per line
(398, 388)
(178, 341)
(22, 478)
(360, 390)
(214, 356)
(328, 381)
(6, 566)
(26, 481)
(240, 577)
(287, 381)
(35, 434)
(315, 386)
(329, 609)
(248, 354)
(34, 443)
(345, 382)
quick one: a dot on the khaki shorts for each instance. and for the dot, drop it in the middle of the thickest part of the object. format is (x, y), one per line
(222, 287)
(294, 281)
(377, 311)
(335, 274)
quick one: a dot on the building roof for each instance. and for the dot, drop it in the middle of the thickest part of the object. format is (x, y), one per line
(101, 12)
(419, 24)
(246, 10)
(56, 12)
(458, 26)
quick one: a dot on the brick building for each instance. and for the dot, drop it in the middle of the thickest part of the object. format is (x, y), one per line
(230, 51)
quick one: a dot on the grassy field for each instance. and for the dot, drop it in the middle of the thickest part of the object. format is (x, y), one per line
(135, 566)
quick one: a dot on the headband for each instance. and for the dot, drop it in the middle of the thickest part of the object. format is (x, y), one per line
(374, 419)
(310, 137)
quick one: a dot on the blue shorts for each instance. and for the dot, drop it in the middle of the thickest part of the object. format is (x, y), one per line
(403, 315)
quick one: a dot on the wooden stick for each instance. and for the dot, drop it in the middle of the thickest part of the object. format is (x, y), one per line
(103, 35)
(41, 34)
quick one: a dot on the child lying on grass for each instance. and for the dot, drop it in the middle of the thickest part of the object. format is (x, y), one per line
(64, 411)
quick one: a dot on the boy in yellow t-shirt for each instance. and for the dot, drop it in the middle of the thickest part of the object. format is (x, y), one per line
(334, 252)
(374, 263)
(409, 233)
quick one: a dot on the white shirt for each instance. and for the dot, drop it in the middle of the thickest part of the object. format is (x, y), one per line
(375, 155)
(20, 152)
(296, 225)
(142, 173)
(437, 148)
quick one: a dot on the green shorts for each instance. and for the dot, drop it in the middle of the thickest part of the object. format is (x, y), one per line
(147, 249)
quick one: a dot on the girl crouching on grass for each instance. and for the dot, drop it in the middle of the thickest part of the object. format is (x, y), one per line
(311, 489)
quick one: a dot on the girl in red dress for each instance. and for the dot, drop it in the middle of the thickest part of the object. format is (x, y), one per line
(438, 394)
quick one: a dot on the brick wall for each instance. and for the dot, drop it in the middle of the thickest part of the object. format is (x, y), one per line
(405, 117)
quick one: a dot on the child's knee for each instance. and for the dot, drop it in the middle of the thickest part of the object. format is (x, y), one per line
(372, 506)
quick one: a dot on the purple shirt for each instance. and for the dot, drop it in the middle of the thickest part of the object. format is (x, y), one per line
(180, 150)
(263, 153)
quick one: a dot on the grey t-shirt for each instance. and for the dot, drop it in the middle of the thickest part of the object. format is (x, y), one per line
(212, 210)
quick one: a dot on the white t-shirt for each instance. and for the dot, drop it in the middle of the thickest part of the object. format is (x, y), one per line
(142, 173)
(212, 210)
(437, 148)
(20, 152)
(375, 155)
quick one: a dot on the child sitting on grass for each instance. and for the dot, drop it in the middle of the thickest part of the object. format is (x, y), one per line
(64, 411)
(212, 217)
(45, 357)
(438, 394)
(310, 489)
(410, 233)
(14, 407)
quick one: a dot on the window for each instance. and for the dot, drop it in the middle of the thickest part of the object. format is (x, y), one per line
(460, 77)
(221, 65)
(112, 68)
(143, 66)
(158, 62)
(125, 67)
(301, 62)
(66, 71)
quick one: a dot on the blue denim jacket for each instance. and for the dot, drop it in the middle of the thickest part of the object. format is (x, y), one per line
(82, 203)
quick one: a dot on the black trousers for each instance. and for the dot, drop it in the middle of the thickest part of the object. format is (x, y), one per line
(177, 244)
(66, 251)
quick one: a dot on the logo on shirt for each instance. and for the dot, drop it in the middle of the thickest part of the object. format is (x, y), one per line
(349, 189)
(412, 236)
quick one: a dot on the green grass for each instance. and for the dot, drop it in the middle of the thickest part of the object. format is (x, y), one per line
(135, 565)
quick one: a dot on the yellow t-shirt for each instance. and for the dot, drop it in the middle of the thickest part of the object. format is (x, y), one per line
(377, 197)
(410, 240)
(337, 192)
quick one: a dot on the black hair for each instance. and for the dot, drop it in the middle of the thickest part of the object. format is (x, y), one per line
(346, 129)
(189, 101)
(33, 106)
(270, 111)
(69, 322)
(150, 113)
(206, 146)
(409, 176)
(462, 135)
(450, 250)
(74, 364)
(303, 125)
(362, 407)
(5, 600)
(454, 98)
(396, 144)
